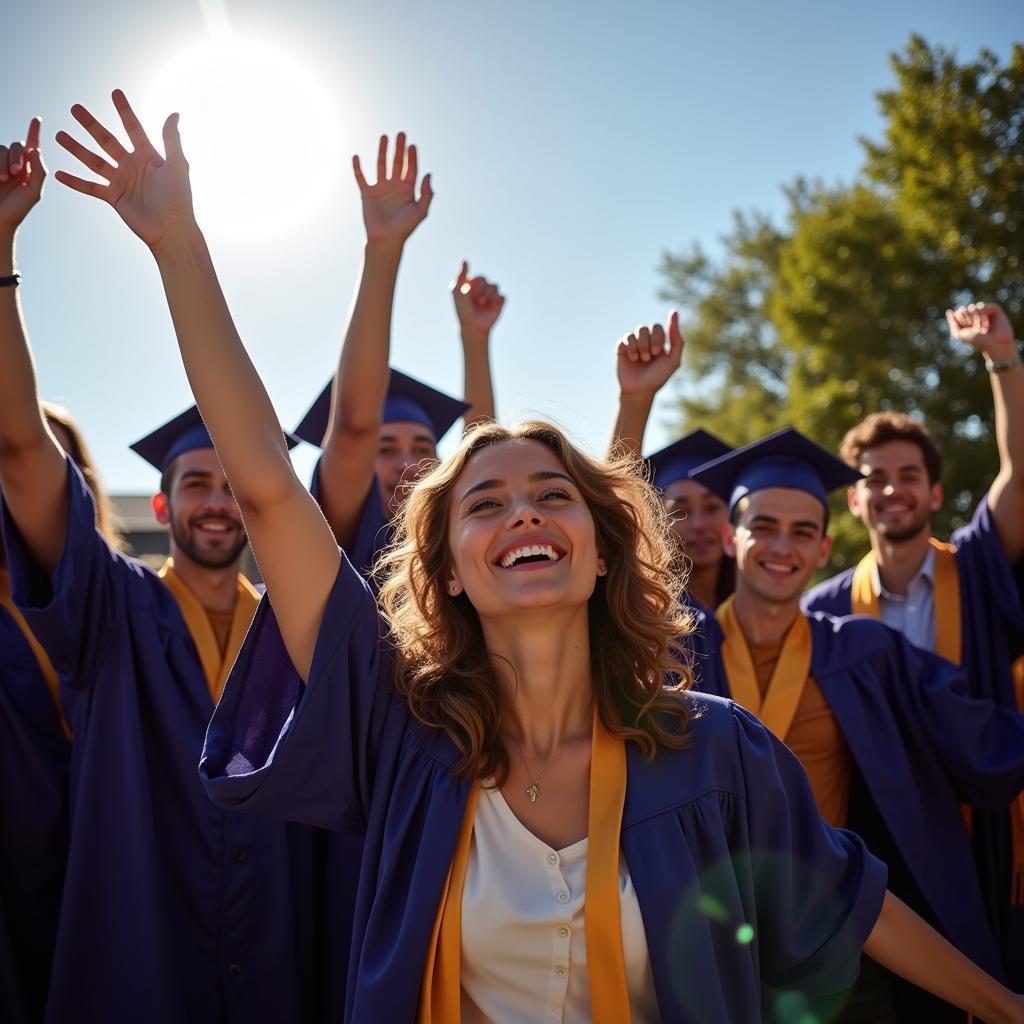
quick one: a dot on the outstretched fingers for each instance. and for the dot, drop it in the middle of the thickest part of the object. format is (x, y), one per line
(107, 141)
(426, 196)
(172, 140)
(89, 188)
(132, 125)
(91, 160)
(398, 164)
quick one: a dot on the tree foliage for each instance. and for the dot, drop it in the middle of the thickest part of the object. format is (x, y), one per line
(839, 312)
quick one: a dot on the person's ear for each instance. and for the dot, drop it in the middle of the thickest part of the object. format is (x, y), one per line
(729, 540)
(453, 586)
(935, 502)
(161, 508)
(602, 566)
(824, 551)
(853, 500)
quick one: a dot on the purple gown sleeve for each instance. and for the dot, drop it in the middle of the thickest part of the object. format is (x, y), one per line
(818, 890)
(78, 612)
(305, 752)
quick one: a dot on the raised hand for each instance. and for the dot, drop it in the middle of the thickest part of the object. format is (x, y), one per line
(391, 211)
(984, 326)
(478, 303)
(150, 192)
(646, 358)
(22, 174)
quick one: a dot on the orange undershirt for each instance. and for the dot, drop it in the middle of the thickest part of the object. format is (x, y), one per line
(814, 738)
(220, 623)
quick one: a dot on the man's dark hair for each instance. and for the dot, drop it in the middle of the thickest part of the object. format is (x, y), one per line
(882, 427)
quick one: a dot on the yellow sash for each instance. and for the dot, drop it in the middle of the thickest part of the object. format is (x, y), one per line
(778, 706)
(440, 992)
(948, 640)
(215, 668)
(49, 673)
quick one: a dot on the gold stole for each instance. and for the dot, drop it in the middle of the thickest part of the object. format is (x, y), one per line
(948, 639)
(949, 644)
(49, 673)
(440, 992)
(789, 679)
(215, 668)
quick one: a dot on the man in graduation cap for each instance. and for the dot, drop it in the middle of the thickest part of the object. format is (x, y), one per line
(886, 731)
(378, 427)
(960, 599)
(173, 910)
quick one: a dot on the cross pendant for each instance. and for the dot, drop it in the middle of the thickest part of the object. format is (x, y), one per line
(532, 792)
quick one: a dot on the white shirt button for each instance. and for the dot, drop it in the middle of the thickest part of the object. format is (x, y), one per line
(563, 897)
(560, 971)
(552, 858)
(563, 932)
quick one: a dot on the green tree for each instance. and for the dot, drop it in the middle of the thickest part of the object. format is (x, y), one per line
(839, 312)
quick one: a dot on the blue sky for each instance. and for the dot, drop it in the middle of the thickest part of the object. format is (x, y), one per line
(570, 144)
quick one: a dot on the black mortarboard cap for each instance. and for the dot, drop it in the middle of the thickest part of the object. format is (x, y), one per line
(675, 461)
(408, 401)
(184, 433)
(784, 459)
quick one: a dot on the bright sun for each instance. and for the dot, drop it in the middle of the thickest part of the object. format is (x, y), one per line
(258, 131)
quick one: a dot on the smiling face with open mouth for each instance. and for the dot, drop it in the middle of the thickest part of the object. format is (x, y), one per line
(205, 523)
(895, 499)
(520, 533)
(779, 541)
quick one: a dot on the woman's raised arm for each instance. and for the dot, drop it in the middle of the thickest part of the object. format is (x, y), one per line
(151, 193)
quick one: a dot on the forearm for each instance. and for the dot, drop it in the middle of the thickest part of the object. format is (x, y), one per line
(1006, 496)
(478, 387)
(22, 425)
(907, 946)
(1008, 397)
(362, 379)
(230, 395)
(631, 423)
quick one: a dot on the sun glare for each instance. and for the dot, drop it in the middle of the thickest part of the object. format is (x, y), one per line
(258, 131)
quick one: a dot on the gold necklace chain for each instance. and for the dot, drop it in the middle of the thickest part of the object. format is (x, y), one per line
(533, 790)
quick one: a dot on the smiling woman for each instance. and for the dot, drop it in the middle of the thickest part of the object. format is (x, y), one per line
(233, 94)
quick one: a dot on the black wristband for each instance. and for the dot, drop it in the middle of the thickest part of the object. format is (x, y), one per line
(10, 282)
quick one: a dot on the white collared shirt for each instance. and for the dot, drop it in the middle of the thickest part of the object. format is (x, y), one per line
(524, 953)
(914, 614)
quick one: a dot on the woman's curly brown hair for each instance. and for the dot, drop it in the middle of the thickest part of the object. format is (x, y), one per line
(635, 617)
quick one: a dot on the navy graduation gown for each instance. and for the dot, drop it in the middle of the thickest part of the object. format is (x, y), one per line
(34, 764)
(174, 910)
(718, 836)
(922, 746)
(373, 530)
(992, 631)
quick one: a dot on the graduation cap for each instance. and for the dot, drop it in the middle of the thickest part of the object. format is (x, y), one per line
(784, 459)
(408, 401)
(184, 433)
(675, 461)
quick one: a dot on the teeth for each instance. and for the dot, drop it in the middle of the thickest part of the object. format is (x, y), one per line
(527, 552)
(775, 567)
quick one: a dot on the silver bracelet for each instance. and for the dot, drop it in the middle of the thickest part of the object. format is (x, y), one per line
(1009, 364)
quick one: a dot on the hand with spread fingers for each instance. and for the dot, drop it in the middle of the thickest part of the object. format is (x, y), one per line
(648, 356)
(22, 174)
(478, 304)
(984, 326)
(391, 211)
(150, 192)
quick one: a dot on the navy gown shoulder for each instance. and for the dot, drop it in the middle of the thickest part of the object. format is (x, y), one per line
(832, 595)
